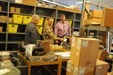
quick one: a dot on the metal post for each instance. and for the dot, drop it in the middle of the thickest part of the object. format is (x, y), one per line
(82, 13)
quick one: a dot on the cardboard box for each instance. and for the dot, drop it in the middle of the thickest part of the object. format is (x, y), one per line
(84, 51)
(10, 20)
(96, 14)
(0, 8)
(27, 19)
(101, 68)
(12, 28)
(17, 10)
(93, 21)
(0, 29)
(3, 18)
(12, 9)
(107, 17)
(17, 18)
(28, 2)
(46, 45)
(102, 55)
(74, 70)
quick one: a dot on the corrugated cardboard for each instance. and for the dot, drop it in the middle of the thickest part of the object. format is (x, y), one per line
(17, 10)
(101, 68)
(46, 45)
(12, 9)
(107, 17)
(102, 55)
(3, 18)
(96, 14)
(84, 51)
(0, 29)
(74, 70)
(10, 20)
(28, 2)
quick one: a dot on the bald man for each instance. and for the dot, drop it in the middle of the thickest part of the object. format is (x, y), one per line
(31, 32)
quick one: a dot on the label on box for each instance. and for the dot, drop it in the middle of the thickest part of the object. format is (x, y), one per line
(73, 41)
(75, 72)
(84, 43)
(99, 67)
(81, 71)
(78, 45)
(69, 67)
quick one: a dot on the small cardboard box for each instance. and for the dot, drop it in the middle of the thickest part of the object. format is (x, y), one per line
(12, 9)
(12, 28)
(0, 8)
(3, 18)
(10, 20)
(101, 68)
(74, 70)
(17, 19)
(0, 29)
(46, 45)
(84, 51)
(17, 10)
(28, 2)
(27, 19)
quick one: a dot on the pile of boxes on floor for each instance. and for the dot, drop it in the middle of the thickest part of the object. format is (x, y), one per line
(83, 58)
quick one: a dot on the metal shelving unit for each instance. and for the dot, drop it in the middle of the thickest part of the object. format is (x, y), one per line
(10, 40)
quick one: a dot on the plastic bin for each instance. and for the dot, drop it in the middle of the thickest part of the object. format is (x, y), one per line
(12, 28)
(27, 19)
(17, 18)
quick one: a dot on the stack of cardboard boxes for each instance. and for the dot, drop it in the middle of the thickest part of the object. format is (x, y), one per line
(15, 10)
(83, 60)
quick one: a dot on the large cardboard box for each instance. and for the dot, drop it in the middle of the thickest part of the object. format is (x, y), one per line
(0, 29)
(84, 51)
(101, 68)
(96, 14)
(74, 70)
(107, 17)
(28, 2)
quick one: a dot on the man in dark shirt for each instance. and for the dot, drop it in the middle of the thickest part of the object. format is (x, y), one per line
(31, 32)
